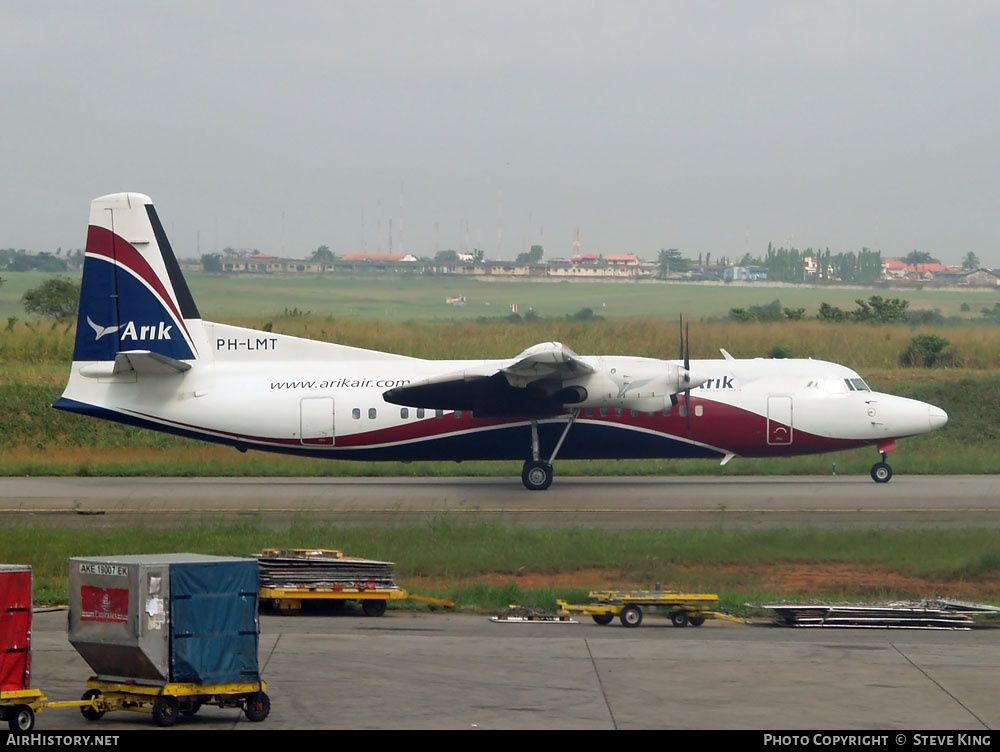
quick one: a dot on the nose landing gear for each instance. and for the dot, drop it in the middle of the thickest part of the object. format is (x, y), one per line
(881, 472)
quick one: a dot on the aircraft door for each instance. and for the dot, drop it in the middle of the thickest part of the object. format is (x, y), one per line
(316, 421)
(779, 420)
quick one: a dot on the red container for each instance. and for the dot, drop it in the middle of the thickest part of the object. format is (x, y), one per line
(15, 627)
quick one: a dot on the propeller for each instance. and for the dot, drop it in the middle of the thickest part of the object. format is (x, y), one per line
(685, 355)
(687, 373)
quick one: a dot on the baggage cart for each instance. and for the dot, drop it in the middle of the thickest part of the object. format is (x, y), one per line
(683, 609)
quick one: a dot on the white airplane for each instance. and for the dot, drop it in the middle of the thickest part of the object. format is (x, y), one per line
(144, 356)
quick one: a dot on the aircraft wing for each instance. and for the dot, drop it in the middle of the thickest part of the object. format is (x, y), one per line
(524, 385)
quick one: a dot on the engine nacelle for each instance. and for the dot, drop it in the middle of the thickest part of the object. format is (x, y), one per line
(641, 384)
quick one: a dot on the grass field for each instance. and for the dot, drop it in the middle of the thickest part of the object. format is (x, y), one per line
(38, 440)
(487, 566)
(223, 298)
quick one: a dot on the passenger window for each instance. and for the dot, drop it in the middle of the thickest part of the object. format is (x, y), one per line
(404, 413)
(698, 410)
(439, 413)
(356, 413)
(420, 412)
(604, 412)
(618, 412)
(372, 412)
(458, 413)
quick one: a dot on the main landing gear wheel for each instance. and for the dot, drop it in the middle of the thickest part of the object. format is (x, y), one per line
(536, 475)
(881, 472)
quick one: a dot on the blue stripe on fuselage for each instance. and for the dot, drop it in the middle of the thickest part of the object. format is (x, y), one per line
(505, 442)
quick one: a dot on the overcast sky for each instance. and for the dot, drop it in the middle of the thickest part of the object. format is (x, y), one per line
(705, 126)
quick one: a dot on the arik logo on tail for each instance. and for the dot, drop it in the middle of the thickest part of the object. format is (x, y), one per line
(100, 331)
(133, 332)
(146, 332)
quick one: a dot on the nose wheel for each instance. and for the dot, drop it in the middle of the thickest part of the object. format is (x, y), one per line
(881, 472)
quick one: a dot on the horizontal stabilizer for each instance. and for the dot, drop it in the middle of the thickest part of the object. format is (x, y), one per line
(136, 361)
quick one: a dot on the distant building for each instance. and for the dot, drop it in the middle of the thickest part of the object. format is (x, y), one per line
(379, 258)
(622, 259)
(925, 271)
(811, 267)
(981, 278)
(262, 263)
(893, 269)
(744, 273)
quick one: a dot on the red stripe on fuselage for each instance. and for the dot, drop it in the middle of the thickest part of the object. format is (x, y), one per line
(722, 427)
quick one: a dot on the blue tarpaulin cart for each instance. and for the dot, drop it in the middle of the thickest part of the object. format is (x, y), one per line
(167, 634)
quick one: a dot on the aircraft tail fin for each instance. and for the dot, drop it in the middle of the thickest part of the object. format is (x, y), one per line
(133, 296)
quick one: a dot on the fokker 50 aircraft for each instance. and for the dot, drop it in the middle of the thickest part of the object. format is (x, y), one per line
(144, 356)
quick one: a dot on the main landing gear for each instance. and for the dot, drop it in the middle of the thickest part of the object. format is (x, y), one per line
(537, 473)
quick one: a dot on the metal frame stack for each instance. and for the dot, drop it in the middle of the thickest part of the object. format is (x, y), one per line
(927, 614)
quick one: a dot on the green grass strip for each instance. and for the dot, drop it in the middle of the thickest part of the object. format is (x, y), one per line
(455, 554)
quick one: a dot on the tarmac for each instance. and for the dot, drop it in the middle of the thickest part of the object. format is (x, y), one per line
(408, 670)
(929, 501)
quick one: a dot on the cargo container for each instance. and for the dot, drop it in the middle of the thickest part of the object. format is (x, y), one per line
(15, 627)
(18, 702)
(165, 617)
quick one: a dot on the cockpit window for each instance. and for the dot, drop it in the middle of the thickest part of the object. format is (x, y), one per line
(857, 385)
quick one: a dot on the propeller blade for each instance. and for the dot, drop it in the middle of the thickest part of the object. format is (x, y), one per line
(687, 348)
(687, 374)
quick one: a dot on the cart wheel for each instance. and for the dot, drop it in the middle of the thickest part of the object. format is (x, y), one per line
(258, 706)
(195, 707)
(603, 619)
(88, 712)
(679, 618)
(631, 616)
(21, 718)
(165, 710)
(373, 607)
(696, 621)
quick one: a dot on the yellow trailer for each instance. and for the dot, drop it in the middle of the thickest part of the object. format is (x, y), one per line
(630, 605)
(166, 702)
(19, 707)
(374, 601)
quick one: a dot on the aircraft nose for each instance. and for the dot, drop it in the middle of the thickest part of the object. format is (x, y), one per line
(936, 416)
